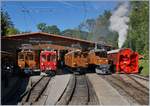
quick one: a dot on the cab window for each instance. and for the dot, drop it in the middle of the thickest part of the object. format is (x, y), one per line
(29, 56)
(21, 57)
(51, 58)
(43, 57)
(48, 57)
(101, 54)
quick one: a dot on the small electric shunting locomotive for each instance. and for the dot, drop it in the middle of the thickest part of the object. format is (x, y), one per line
(48, 61)
(123, 61)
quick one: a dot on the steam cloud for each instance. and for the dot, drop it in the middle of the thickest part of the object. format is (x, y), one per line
(118, 22)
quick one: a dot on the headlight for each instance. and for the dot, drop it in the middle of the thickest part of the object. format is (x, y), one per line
(48, 68)
(7, 68)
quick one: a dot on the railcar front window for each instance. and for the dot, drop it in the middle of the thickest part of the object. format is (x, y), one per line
(85, 55)
(43, 58)
(30, 56)
(101, 54)
(49, 57)
(21, 57)
(76, 54)
(53, 58)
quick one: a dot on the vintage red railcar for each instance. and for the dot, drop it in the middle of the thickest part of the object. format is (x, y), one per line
(48, 61)
(123, 60)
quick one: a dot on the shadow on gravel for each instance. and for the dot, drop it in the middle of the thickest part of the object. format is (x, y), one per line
(66, 70)
(12, 93)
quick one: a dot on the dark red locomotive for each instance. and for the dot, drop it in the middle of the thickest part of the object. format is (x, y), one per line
(123, 60)
(48, 61)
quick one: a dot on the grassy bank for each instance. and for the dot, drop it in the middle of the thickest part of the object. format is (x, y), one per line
(145, 65)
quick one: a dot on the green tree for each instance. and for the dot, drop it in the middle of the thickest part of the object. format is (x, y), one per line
(101, 30)
(53, 29)
(138, 33)
(48, 29)
(5, 22)
(88, 25)
(98, 29)
(42, 27)
(75, 33)
(11, 31)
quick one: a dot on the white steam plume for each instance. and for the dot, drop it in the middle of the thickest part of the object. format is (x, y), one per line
(118, 22)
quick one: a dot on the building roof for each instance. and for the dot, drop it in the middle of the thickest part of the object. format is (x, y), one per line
(26, 35)
(45, 34)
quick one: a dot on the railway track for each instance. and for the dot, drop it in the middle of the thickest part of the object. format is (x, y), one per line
(130, 87)
(78, 92)
(33, 94)
(129, 80)
(143, 81)
(140, 77)
(139, 83)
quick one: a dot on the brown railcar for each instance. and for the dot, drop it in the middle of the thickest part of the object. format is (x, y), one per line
(77, 60)
(26, 59)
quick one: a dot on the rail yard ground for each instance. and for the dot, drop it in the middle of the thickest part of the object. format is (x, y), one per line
(86, 89)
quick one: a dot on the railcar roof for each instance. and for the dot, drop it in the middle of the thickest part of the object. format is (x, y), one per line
(117, 50)
(26, 51)
(113, 51)
(48, 52)
(98, 50)
(74, 51)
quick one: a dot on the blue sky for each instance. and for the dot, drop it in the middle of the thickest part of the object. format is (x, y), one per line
(64, 14)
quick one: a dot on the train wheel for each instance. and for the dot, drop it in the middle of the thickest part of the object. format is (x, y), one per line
(53, 73)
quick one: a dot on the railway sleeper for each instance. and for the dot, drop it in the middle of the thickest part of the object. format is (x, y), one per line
(79, 100)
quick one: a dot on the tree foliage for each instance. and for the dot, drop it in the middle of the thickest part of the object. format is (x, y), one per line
(48, 29)
(12, 31)
(7, 27)
(138, 34)
(42, 27)
(75, 33)
(98, 29)
(5, 22)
